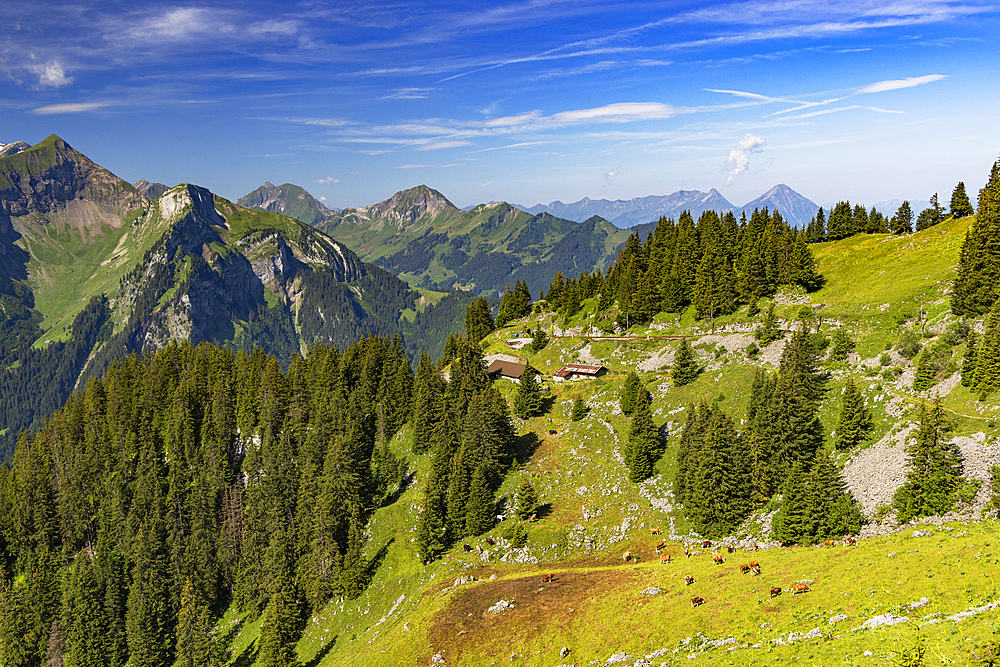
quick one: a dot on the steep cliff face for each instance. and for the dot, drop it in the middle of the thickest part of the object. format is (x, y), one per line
(46, 178)
(401, 210)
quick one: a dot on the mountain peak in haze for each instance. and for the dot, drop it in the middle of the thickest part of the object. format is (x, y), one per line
(13, 149)
(150, 190)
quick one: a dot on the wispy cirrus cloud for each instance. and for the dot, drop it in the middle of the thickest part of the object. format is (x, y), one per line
(70, 107)
(897, 84)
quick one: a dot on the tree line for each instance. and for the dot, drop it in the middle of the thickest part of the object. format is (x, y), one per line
(192, 478)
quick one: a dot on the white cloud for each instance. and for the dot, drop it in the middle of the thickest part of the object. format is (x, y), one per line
(70, 107)
(439, 145)
(415, 166)
(739, 157)
(408, 94)
(52, 74)
(327, 180)
(896, 84)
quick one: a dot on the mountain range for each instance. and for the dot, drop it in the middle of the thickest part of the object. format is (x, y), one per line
(795, 208)
(92, 269)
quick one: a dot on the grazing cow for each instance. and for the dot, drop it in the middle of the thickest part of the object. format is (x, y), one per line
(695, 601)
(850, 542)
(717, 559)
(753, 547)
(744, 569)
(659, 546)
(828, 543)
(731, 549)
(627, 556)
(489, 541)
(467, 548)
(688, 580)
(654, 531)
(479, 549)
(547, 578)
(686, 552)
(706, 544)
(776, 591)
(755, 570)
(753, 564)
(800, 588)
(665, 558)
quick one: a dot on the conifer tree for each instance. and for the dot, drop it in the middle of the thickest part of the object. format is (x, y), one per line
(83, 619)
(480, 515)
(685, 368)
(933, 468)
(960, 207)
(969, 361)
(528, 400)
(987, 356)
(643, 448)
(768, 332)
(630, 392)
(716, 499)
(978, 273)
(902, 221)
(793, 523)
(459, 480)
(353, 575)
(579, 409)
(478, 320)
(855, 421)
(196, 643)
(759, 491)
(527, 500)
(713, 290)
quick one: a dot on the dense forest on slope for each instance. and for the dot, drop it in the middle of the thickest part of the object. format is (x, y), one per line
(193, 477)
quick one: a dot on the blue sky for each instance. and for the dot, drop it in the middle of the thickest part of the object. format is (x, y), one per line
(526, 102)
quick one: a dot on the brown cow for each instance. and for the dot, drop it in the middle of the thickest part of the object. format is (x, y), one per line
(659, 546)
(688, 580)
(706, 544)
(753, 564)
(627, 556)
(547, 578)
(695, 601)
(686, 552)
(665, 558)
(731, 549)
(467, 548)
(753, 547)
(776, 591)
(717, 559)
(850, 542)
(654, 531)
(800, 588)
(755, 570)
(489, 541)
(744, 569)
(828, 543)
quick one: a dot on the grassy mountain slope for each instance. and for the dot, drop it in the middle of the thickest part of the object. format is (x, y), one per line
(423, 238)
(597, 606)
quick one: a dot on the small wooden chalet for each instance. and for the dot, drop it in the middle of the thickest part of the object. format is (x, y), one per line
(507, 369)
(579, 372)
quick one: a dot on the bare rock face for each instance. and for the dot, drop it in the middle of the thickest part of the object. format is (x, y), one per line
(44, 179)
(13, 149)
(402, 209)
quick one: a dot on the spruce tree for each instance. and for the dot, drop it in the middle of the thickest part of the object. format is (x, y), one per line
(793, 523)
(978, 272)
(855, 421)
(969, 360)
(478, 320)
(902, 221)
(527, 500)
(630, 392)
(768, 331)
(528, 400)
(987, 356)
(643, 448)
(685, 368)
(196, 643)
(579, 409)
(960, 207)
(933, 468)
(480, 515)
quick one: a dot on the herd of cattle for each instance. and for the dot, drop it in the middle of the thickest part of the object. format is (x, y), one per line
(752, 568)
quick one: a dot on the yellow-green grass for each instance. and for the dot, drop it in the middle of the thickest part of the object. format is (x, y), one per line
(881, 280)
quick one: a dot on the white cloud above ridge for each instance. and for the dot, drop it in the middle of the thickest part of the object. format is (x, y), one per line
(52, 74)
